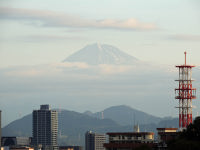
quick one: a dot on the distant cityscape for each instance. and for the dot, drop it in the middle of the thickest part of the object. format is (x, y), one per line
(45, 131)
(45, 136)
(45, 125)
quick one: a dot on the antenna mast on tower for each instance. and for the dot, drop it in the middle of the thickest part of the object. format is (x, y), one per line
(185, 93)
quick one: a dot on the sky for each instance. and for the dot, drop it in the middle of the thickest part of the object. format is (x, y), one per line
(37, 35)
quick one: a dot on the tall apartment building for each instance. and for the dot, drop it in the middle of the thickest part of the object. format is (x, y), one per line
(45, 128)
(94, 141)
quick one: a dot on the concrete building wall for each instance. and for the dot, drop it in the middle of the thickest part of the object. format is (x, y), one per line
(129, 140)
(100, 139)
(94, 141)
(45, 127)
(16, 141)
(70, 148)
(21, 148)
(135, 136)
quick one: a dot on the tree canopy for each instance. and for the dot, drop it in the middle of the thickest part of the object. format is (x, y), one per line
(189, 138)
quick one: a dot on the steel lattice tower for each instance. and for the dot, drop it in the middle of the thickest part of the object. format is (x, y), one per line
(185, 93)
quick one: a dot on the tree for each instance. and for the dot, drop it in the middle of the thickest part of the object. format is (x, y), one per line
(189, 139)
(193, 131)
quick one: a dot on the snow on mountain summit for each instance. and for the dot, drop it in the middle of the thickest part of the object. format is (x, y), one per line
(96, 54)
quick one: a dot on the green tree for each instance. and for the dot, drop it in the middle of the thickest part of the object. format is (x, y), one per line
(193, 131)
(189, 139)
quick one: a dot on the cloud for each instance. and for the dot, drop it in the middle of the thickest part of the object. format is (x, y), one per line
(54, 69)
(113, 69)
(24, 73)
(80, 65)
(185, 37)
(55, 19)
(72, 68)
(64, 69)
(43, 38)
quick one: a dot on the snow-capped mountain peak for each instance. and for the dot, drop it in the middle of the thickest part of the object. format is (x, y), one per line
(97, 53)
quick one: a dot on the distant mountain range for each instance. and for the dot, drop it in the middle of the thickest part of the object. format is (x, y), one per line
(96, 54)
(73, 125)
(125, 115)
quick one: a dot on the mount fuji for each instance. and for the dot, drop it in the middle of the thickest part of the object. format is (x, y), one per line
(96, 54)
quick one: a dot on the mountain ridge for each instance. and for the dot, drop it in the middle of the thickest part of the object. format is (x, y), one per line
(126, 115)
(73, 125)
(96, 54)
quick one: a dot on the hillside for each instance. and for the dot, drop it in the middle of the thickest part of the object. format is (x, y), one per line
(125, 115)
(73, 125)
(20, 127)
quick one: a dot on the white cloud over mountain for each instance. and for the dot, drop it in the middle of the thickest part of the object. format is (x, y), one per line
(185, 37)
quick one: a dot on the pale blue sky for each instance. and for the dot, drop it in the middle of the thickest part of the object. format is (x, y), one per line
(28, 40)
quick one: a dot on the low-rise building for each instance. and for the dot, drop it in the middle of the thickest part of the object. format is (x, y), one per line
(129, 140)
(4, 147)
(17, 148)
(94, 141)
(16, 141)
(21, 148)
(166, 134)
(70, 148)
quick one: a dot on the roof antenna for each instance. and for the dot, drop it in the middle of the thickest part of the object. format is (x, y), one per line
(102, 115)
(185, 57)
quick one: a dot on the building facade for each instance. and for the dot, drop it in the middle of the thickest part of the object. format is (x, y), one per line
(129, 140)
(94, 141)
(166, 134)
(21, 148)
(16, 141)
(70, 148)
(45, 128)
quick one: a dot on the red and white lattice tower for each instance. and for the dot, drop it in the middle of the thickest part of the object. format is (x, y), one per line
(185, 93)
